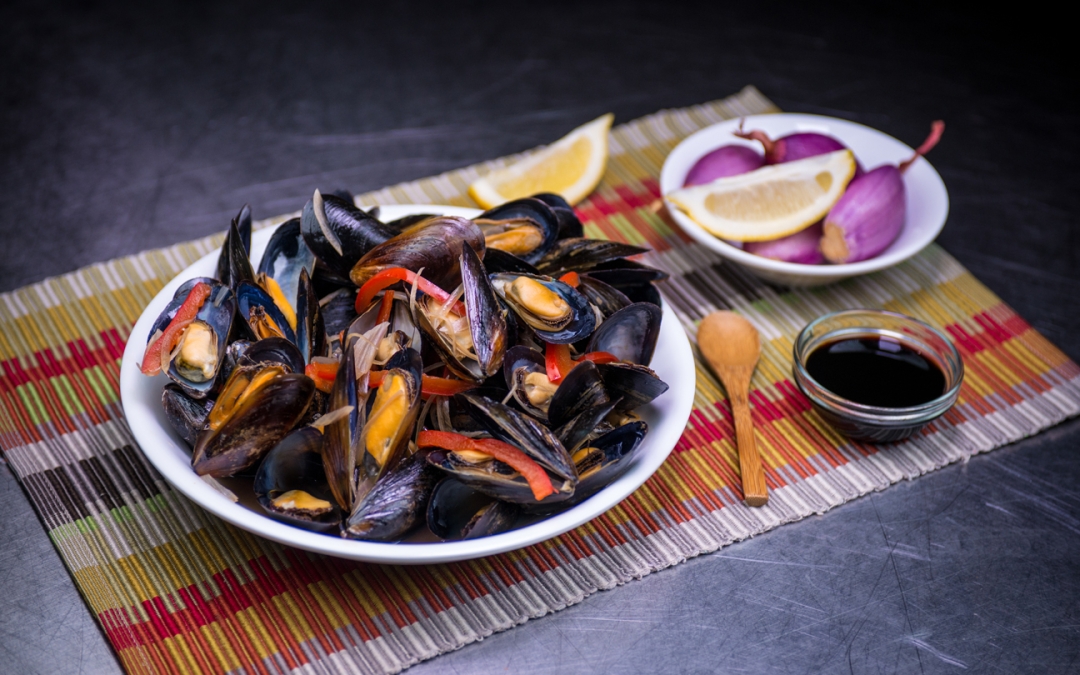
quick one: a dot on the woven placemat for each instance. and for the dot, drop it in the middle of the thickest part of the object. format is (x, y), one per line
(177, 590)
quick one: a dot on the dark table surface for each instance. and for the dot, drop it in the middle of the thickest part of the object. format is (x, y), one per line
(128, 128)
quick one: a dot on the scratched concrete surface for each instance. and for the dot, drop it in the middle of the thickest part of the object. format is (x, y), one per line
(125, 128)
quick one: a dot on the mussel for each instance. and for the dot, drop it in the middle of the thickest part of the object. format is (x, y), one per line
(194, 361)
(256, 408)
(339, 233)
(456, 511)
(555, 311)
(433, 245)
(526, 228)
(291, 484)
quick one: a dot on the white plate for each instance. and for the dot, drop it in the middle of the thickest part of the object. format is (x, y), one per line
(141, 397)
(927, 199)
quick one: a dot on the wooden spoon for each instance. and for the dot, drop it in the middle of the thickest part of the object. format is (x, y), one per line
(732, 347)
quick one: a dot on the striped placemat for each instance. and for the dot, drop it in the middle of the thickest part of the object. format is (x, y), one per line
(177, 590)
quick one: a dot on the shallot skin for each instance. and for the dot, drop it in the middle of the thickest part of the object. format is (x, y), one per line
(867, 218)
(796, 146)
(802, 247)
(728, 160)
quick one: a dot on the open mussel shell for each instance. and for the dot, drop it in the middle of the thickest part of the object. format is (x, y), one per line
(310, 328)
(338, 310)
(473, 346)
(257, 406)
(581, 390)
(433, 245)
(526, 228)
(339, 233)
(286, 256)
(273, 350)
(521, 431)
(196, 360)
(390, 420)
(526, 376)
(580, 254)
(186, 415)
(580, 427)
(569, 224)
(291, 484)
(493, 478)
(234, 263)
(496, 261)
(396, 503)
(635, 385)
(623, 273)
(604, 297)
(456, 512)
(630, 334)
(599, 463)
(552, 309)
(263, 317)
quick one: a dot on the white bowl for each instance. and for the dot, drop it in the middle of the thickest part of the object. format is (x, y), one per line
(927, 199)
(141, 397)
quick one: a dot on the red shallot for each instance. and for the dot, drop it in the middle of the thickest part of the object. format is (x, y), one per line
(870, 214)
(802, 247)
(795, 146)
(728, 160)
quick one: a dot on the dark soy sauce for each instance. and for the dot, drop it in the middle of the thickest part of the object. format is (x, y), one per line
(876, 371)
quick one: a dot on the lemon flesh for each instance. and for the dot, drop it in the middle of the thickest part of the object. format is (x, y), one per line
(571, 166)
(771, 202)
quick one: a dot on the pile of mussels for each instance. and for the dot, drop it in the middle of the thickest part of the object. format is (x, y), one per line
(370, 376)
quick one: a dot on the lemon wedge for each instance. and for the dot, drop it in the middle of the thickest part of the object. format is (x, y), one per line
(771, 202)
(571, 166)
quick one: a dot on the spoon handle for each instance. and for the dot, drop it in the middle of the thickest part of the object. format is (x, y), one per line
(755, 491)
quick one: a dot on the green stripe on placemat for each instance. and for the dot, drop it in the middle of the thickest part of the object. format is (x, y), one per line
(177, 590)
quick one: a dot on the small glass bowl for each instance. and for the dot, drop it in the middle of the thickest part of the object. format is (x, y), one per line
(867, 422)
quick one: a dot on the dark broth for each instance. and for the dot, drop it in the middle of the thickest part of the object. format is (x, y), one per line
(876, 371)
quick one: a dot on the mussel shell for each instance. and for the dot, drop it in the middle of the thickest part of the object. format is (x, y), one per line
(310, 329)
(580, 254)
(234, 263)
(527, 212)
(487, 318)
(285, 257)
(295, 463)
(253, 428)
(604, 297)
(636, 385)
(582, 321)
(338, 310)
(495, 479)
(273, 350)
(217, 313)
(569, 224)
(500, 261)
(251, 297)
(630, 334)
(186, 415)
(579, 428)
(579, 391)
(644, 293)
(614, 452)
(167, 314)
(396, 503)
(457, 512)
(626, 273)
(521, 431)
(349, 232)
(519, 362)
(433, 245)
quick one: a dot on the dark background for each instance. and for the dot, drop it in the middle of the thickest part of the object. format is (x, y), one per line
(127, 127)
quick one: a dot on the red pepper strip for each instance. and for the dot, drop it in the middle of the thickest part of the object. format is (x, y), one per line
(385, 308)
(323, 374)
(395, 274)
(598, 357)
(444, 386)
(537, 478)
(558, 361)
(571, 279)
(151, 363)
(429, 384)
